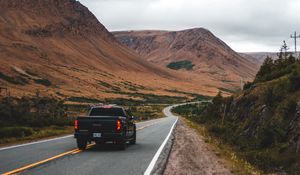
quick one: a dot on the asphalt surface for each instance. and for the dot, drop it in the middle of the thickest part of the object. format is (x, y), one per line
(106, 159)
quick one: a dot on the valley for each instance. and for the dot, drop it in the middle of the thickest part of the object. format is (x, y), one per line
(184, 94)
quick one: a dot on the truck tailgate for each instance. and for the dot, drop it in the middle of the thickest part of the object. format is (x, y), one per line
(97, 124)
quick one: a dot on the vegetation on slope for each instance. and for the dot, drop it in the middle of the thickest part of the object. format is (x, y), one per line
(184, 64)
(14, 80)
(32, 117)
(262, 123)
(36, 117)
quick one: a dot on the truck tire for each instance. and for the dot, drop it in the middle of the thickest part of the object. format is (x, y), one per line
(121, 144)
(81, 144)
(133, 141)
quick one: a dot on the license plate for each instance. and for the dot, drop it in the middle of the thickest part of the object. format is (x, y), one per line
(97, 135)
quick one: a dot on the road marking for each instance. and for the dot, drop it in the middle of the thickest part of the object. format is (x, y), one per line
(143, 127)
(74, 151)
(58, 138)
(38, 163)
(154, 160)
(32, 143)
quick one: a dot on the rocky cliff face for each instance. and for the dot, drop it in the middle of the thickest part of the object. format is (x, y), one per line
(211, 56)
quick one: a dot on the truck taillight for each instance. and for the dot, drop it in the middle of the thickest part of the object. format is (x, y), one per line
(76, 124)
(119, 125)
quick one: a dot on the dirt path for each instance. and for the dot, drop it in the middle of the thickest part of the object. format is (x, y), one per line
(191, 155)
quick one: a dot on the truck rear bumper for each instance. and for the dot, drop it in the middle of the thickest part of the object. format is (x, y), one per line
(104, 136)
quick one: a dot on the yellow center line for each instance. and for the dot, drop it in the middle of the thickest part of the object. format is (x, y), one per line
(38, 163)
(74, 151)
(143, 127)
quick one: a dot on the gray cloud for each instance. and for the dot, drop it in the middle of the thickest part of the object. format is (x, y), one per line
(256, 25)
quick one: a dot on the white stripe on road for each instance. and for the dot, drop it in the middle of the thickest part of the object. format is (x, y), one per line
(32, 143)
(67, 136)
(157, 154)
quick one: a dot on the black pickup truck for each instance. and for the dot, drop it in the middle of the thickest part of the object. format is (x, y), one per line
(103, 124)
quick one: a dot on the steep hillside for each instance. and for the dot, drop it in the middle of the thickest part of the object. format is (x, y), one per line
(262, 123)
(59, 48)
(196, 50)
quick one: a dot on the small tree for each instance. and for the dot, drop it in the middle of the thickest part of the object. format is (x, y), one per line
(217, 100)
(248, 85)
(291, 60)
(266, 68)
(283, 51)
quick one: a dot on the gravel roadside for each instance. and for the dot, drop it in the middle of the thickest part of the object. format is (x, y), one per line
(191, 155)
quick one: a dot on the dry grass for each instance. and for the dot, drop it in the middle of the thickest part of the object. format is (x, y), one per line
(236, 164)
(40, 133)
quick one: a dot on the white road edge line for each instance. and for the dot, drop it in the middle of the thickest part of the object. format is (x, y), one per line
(57, 138)
(155, 158)
(32, 143)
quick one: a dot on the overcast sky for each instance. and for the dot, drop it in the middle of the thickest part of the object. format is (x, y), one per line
(245, 25)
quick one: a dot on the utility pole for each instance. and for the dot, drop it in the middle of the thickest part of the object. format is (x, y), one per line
(295, 36)
(242, 83)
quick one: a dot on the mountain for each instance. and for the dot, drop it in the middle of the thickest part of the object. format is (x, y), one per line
(59, 48)
(259, 57)
(196, 51)
(253, 59)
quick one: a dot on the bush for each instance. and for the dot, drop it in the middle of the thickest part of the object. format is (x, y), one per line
(294, 81)
(248, 85)
(44, 82)
(185, 64)
(32, 112)
(8, 132)
(84, 100)
(217, 129)
(271, 70)
(14, 80)
(273, 94)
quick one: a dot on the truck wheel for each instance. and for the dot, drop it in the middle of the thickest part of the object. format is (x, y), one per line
(81, 144)
(133, 141)
(121, 144)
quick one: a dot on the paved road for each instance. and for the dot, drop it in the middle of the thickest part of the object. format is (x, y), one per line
(95, 160)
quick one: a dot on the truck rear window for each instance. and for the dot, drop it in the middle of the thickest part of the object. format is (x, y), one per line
(107, 112)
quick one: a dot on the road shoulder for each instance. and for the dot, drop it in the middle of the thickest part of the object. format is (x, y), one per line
(191, 155)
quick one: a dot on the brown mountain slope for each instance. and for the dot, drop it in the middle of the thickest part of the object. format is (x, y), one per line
(260, 56)
(212, 58)
(61, 49)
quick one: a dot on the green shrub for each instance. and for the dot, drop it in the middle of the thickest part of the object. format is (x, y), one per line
(32, 112)
(248, 85)
(44, 82)
(14, 80)
(294, 81)
(185, 64)
(217, 129)
(268, 97)
(7, 132)
(84, 100)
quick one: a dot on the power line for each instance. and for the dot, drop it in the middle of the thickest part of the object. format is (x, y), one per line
(295, 36)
